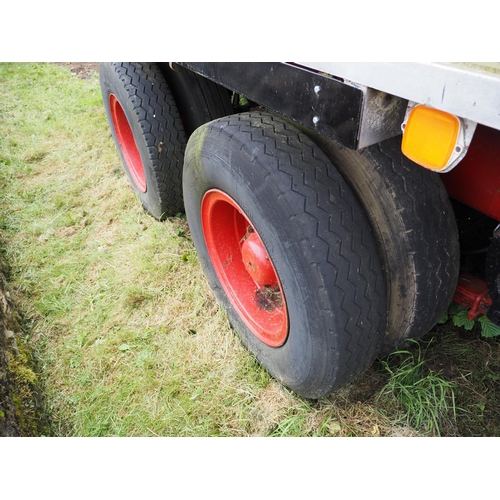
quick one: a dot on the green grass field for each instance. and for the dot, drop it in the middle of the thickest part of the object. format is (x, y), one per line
(126, 334)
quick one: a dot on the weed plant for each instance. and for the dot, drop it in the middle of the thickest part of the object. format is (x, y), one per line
(425, 397)
(128, 338)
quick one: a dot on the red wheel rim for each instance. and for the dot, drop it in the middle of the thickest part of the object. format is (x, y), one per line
(127, 144)
(244, 268)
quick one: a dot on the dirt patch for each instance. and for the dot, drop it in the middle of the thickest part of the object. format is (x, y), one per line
(9, 421)
(81, 69)
(21, 405)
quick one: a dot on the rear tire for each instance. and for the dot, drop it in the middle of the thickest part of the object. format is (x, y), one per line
(416, 232)
(152, 109)
(198, 99)
(148, 133)
(255, 174)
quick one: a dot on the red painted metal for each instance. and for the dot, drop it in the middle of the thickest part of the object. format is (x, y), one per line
(244, 268)
(472, 293)
(475, 181)
(127, 144)
(257, 261)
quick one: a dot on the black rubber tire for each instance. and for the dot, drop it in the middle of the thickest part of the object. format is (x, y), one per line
(154, 119)
(416, 231)
(163, 106)
(198, 100)
(316, 235)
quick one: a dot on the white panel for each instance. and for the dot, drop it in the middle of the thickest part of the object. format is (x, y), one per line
(470, 91)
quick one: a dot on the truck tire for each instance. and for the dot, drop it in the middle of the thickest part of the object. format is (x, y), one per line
(152, 110)
(148, 133)
(287, 250)
(416, 232)
(198, 100)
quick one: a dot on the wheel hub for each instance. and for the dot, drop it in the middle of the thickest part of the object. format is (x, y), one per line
(244, 268)
(257, 261)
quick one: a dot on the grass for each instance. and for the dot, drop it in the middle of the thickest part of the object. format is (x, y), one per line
(425, 397)
(127, 336)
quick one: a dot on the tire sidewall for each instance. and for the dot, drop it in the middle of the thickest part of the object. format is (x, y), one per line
(418, 245)
(297, 349)
(313, 354)
(111, 83)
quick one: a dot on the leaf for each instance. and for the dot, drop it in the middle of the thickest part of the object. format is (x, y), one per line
(455, 308)
(488, 328)
(124, 347)
(461, 319)
(444, 318)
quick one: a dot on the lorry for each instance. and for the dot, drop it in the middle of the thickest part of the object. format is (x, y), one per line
(337, 209)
